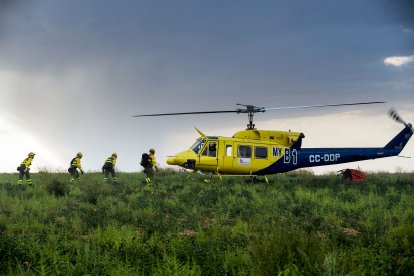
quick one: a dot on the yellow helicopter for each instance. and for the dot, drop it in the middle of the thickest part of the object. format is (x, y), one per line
(253, 152)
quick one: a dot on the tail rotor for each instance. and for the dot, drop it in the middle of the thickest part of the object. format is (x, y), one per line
(396, 117)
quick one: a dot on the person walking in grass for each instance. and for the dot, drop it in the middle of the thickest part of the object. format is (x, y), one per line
(109, 168)
(75, 167)
(149, 163)
(24, 169)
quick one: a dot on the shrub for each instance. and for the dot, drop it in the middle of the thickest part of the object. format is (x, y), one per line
(11, 254)
(57, 187)
(298, 224)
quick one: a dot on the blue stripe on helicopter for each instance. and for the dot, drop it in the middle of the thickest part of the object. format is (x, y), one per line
(296, 158)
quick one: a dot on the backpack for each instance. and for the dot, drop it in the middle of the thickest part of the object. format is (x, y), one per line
(145, 160)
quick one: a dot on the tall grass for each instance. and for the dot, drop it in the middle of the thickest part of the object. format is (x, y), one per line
(298, 224)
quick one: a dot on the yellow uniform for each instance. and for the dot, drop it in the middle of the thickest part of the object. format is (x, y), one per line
(149, 170)
(109, 167)
(75, 167)
(153, 160)
(24, 169)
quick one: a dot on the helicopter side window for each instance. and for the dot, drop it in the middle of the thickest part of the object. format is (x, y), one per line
(245, 151)
(260, 152)
(229, 150)
(210, 150)
(198, 146)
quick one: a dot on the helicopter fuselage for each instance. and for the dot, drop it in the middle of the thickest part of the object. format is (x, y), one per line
(263, 152)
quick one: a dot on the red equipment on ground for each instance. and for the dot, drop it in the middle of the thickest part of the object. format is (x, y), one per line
(353, 175)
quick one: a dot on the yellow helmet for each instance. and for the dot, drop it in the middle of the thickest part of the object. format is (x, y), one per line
(114, 154)
(31, 154)
(79, 154)
(152, 150)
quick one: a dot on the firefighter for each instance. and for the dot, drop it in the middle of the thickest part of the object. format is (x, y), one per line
(109, 167)
(149, 169)
(24, 169)
(75, 167)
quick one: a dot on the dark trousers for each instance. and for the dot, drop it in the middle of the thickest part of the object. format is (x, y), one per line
(150, 175)
(108, 171)
(23, 173)
(74, 173)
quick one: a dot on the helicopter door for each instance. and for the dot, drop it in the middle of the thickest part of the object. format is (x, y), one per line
(208, 157)
(227, 155)
(243, 160)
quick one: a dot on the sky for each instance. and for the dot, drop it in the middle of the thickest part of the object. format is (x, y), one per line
(73, 73)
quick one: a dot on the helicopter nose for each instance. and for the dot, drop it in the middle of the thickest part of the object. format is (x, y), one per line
(172, 161)
(176, 160)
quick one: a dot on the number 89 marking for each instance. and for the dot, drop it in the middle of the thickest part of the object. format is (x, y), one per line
(291, 156)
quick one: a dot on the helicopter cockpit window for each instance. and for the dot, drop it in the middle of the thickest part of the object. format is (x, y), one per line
(210, 150)
(260, 152)
(245, 151)
(198, 145)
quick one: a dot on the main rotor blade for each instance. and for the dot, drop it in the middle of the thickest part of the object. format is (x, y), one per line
(187, 113)
(319, 105)
(252, 109)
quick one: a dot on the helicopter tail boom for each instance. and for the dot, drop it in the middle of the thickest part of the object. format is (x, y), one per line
(328, 156)
(313, 157)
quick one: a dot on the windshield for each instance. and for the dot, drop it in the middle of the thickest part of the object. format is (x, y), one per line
(198, 145)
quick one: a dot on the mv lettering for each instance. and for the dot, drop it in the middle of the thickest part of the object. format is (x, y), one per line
(277, 151)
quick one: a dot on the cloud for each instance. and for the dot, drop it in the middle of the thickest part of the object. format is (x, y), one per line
(399, 61)
(17, 141)
(73, 77)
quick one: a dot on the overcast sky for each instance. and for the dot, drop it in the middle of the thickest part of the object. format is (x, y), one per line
(73, 73)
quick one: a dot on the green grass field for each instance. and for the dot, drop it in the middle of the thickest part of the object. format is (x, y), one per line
(299, 224)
